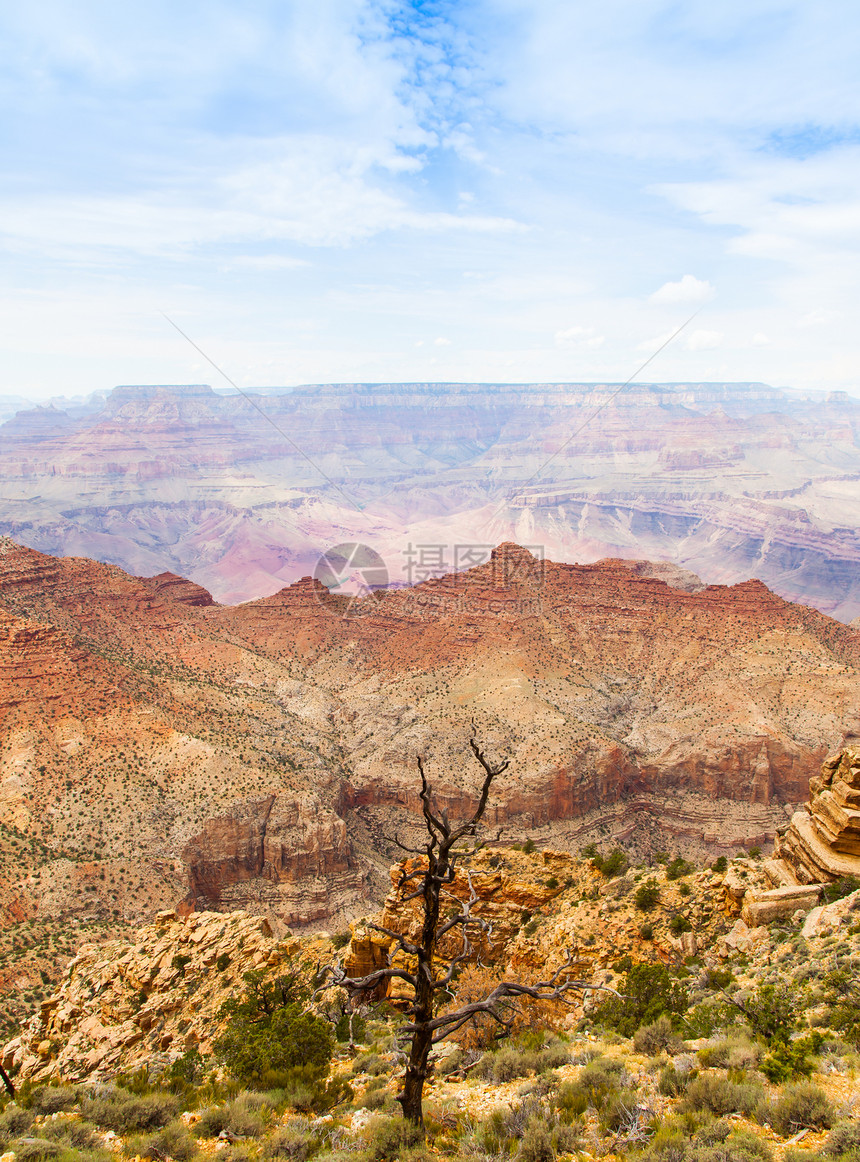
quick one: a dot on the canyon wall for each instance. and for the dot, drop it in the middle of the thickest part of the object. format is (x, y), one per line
(728, 480)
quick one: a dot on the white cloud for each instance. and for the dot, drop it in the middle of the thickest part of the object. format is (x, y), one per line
(585, 337)
(688, 289)
(820, 318)
(648, 346)
(704, 340)
(759, 339)
(442, 342)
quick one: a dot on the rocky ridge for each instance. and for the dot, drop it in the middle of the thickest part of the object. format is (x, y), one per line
(725, 480)
(160, 750)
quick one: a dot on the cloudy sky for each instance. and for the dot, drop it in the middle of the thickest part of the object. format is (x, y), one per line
(365, 190)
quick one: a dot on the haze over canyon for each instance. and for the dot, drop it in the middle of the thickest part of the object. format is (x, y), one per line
(728, 480)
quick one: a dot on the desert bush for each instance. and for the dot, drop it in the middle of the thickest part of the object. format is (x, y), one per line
(619, 1109)
(772, 1011)
(371, 1063)
(844, 1138)
(610, 865)
(738, 1146)
(672, 1083)
(669, 1144)
(171, 1141)
(647, 896)
(79, 1135)
(14, 1121)
(270, 1039)
(36, 1149)
(735, 1052)
(389, 1138)
(536, 1144)
(246, 1117)
(127, 1113)
(657, 1037)
(679, 924)
(295, 1141)
(50, 1099)
(678, 868)
(649, 990)
(802, 1106)
(842, 996)
(720, 1096)
(789, 1059)
(841, 888)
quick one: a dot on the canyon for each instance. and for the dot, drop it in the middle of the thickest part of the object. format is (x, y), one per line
(162, 749)
(242, 493)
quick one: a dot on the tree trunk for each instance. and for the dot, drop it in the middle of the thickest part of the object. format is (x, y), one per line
(10, 1088)
(410, 1097)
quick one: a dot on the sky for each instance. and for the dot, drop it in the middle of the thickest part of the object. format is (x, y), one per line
(484, 190)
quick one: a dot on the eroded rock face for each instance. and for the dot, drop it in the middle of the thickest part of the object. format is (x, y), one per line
(823, 842)
(291, 857)
(230, 755)
(122, 1004)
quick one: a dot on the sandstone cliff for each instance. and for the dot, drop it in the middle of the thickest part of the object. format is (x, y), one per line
(158, 748)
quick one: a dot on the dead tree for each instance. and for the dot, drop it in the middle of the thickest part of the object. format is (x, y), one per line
(447, 846)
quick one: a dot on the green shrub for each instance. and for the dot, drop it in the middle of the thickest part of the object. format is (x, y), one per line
(647, 896)
(610, 865)
(772, 1011)
(720, 865)
(679, 924)
(271, 1040)
(842, 995)
(788, 1059)
(720, 1096)
(295, 1141)
(841, 888)
(127, 1113)
(389, 1138)
(50, 1099)
(171, 1141)
(844, 1138)
(802, 1106)
(646, 932)
(678, 868)
(657, 1037)
(649, 990)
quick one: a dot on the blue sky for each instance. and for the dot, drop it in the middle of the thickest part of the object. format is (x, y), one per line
(349, 190)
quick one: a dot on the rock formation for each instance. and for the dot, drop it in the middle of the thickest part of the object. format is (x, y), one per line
(124, 1004)
(723, 479)
(159, 747)
(823, 842)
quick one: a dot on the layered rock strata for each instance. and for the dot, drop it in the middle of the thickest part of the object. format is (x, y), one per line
(823, 842)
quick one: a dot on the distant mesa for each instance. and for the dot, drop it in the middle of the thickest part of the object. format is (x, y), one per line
(723, 480)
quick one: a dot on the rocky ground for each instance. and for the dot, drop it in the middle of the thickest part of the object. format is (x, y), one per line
(699, 1086)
